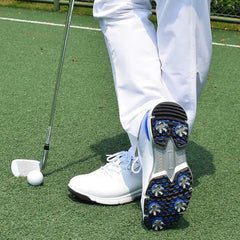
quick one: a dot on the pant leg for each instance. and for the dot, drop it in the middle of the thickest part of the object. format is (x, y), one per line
(132, 45)
(150, 67)
(185, 47)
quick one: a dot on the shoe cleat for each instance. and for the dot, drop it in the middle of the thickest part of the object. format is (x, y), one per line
(184, 181)
(181, 130)
(154, 209)
(161, 127)
(180, 206)
(157, 190)
(158, 224)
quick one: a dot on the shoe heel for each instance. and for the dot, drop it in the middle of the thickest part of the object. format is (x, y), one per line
(169, 120)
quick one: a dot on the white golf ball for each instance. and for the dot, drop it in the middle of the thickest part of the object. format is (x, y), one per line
(35, 178)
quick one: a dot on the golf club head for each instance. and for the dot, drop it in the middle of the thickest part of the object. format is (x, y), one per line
(21, 167)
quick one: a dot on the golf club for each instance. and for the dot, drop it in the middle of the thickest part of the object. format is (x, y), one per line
(21, 167)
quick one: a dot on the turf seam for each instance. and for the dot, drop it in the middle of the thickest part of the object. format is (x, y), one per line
(89, 28)
(48, 23)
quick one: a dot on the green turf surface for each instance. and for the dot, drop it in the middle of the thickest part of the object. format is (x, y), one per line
(87, 127)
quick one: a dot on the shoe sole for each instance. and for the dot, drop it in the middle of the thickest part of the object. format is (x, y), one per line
(170, 187)
(106, 201)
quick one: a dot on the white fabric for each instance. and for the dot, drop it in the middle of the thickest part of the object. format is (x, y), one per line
(150, 66)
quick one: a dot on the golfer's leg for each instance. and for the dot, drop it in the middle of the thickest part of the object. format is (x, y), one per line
(132, 45)
(184, 45)
(184, 42)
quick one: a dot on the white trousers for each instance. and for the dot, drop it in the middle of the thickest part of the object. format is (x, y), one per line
(151, 65)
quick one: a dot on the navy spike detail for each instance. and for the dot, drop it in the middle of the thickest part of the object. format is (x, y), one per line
(171, 204)
(169, 120)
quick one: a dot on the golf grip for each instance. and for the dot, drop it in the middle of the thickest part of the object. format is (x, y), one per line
(60, 67)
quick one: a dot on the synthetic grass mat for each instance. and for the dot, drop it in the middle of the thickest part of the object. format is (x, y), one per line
(86, 127)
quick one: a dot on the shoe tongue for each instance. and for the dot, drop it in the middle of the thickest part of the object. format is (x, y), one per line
(115, 163)
(112, 167)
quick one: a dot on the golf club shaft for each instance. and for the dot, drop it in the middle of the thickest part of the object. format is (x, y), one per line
(60, 68)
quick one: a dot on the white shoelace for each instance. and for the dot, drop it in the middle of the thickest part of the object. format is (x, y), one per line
(123, 158)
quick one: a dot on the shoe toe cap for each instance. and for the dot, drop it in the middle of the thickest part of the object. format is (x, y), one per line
(79, 184)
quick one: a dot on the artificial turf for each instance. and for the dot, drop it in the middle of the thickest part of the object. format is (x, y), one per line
(87, 127)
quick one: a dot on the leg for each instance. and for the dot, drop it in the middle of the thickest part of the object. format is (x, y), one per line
(184, 43)
(132, 45)
(185, 47)
(124, 24)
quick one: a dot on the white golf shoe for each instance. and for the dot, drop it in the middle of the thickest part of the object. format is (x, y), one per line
(167, 178)
(118, 182)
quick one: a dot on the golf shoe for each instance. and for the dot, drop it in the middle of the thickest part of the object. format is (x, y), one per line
(167, 178)
(117, 182)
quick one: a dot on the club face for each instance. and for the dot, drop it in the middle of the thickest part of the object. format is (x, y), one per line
(21, 167)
